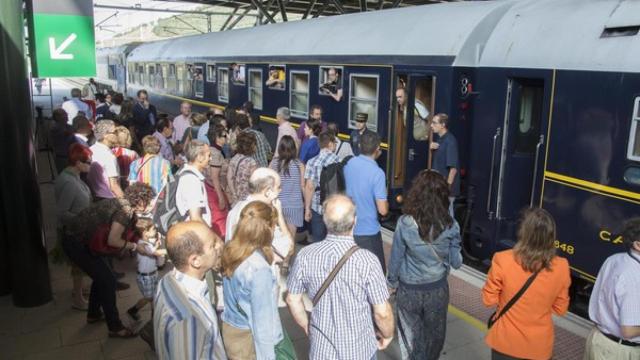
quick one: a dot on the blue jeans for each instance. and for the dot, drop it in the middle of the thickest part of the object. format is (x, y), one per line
(372, 243)
(318, 228)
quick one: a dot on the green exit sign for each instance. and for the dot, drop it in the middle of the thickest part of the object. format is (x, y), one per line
(62, 38)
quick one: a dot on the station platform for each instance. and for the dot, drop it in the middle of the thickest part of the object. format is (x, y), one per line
(55, 331)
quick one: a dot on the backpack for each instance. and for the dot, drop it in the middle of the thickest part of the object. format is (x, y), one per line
(332, 179)
(165, 211)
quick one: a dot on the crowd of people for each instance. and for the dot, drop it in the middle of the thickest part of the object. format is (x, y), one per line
(238, 204)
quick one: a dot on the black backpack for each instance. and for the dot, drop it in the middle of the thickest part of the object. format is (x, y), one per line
(332, 179)
(165, 210)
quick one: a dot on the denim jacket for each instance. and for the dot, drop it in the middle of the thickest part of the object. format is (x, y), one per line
(250, 303)
(414, 261)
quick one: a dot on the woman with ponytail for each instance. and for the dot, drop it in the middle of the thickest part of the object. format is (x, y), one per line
(251, 326)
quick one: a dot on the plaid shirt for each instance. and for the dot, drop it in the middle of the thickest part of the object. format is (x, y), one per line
(263, 150)
(312, 172)
(341, 325)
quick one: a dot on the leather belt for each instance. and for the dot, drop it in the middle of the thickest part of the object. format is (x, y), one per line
(147, 274)
(618, 340)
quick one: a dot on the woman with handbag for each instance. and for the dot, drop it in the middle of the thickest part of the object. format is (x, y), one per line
(251, 326)
(528, 284)
(82, 241)
(426, 244)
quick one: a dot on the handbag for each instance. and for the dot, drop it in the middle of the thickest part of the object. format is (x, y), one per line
(284, 349)
(492, 319)
(333, 273)
(99, 241)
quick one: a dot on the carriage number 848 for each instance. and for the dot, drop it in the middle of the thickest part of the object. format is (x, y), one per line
(569, 249)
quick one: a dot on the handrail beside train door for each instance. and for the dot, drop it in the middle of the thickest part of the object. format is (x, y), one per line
(503, 152)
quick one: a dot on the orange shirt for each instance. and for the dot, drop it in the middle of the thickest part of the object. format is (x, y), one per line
(526, 330)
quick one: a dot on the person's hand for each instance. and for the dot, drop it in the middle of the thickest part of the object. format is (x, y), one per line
(307, 215)
(434, 145)
(382, 341)
(278, 205)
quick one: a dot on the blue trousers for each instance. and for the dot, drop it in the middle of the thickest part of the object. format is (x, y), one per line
(372, 243)
(318, 228)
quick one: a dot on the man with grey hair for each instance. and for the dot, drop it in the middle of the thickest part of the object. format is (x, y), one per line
(264, 186)
(104, 175)
(284, 127)
(341, 326)
(75, 105)
(191, 195)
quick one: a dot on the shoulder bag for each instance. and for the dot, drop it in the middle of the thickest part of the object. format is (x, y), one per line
(493, 318)
(333, 273)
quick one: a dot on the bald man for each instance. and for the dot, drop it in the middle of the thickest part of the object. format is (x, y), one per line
(340, 327)
(264, 186)
(185, 323)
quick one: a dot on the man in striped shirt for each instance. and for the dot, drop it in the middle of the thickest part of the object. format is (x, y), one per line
(186, 326)
(341, 325)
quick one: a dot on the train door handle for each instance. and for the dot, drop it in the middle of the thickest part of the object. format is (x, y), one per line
(412, 154)
(491, 171)
(535, 169)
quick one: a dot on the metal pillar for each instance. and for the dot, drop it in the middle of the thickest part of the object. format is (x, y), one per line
(24, 270)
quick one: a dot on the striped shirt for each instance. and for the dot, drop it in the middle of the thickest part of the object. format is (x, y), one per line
(341, 325)
(312, 172)
(186, 327)
(152, 170)
(263, 150)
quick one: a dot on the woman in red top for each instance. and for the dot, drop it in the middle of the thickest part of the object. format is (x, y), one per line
(526, 330)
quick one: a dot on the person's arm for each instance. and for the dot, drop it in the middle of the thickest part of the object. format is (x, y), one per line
(262, 310)
(493, 286)
(302, 182)
(308, 196)
(282, 224)
(629, 332)
(296, 308)
(380, 190)
(114, 185)
(383, 207)
(383, 316)
(231, 188)
(337, 96)
(561, 304)
(115, 239)
(300, 131)
(452, 175)
(398, 249)
(64, 203)
(452, 160)
(626, 295)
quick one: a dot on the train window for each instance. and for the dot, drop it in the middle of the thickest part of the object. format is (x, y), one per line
(223, 85)
(633, 151)
(529, 116)
(172, 71)
(422, 103)
(211, 73)
(159, 80)
(255, 88)
(363, 98)
(131, 73)
(632, 176)
(299, 95)
(330, 80)
(180, 78)
(239, 73)
(198, 81)
(277, 77)
(151, 73)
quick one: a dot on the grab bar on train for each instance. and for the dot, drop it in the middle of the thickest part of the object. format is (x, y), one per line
(491, 171)
(535, 169)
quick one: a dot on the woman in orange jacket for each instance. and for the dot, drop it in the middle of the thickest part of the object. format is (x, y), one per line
(525, 331)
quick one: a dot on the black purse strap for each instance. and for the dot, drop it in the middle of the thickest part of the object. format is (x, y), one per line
(514, 299)
(333, 273)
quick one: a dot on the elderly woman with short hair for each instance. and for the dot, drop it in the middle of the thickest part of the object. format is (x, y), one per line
(123, 153)
(241, 166)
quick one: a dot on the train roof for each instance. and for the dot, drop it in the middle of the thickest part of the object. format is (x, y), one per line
(396, 32)
(562, 34)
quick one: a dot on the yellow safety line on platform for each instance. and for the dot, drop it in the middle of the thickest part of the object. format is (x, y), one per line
(594, 187)
(469, 319)
(268, 119)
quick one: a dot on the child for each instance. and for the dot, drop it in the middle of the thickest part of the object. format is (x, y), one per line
(147, 265)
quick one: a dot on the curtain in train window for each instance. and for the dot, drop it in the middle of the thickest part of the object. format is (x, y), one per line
(633, 152)
(211, 73)
(159, 80)
(299, 95)
(255, 88)
(529, 116)
(198, 81)
(171, 79)
(223, 85)
(151, 74)
(180, 78)
(363, 98)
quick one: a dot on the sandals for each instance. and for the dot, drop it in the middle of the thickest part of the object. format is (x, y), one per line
(123, 333)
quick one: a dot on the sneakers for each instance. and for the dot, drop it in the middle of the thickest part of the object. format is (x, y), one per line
(81, 305)
(133, 313)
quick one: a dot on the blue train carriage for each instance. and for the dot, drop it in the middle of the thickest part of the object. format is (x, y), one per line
(556, 125)
(111, 69)
(374, 53)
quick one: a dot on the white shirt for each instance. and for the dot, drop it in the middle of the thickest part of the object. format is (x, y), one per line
(191, 193)
(147, 263)
(343, 149)
(73, 106)
(89, 91)
(115, 109)
(280, 244)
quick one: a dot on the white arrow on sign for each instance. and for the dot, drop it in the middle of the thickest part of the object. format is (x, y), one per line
(56, 53)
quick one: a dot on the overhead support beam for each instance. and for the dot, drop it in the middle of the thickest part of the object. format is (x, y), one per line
(283, 10)
(363, 5)
(396, 3)
(189, 25)
(263, 11)
(307, 12)
(237, 20)
(133, 8)
(226, 22)
(107, 19)
(338, 6)
(208, 23)
(380, 4)
(322, 9)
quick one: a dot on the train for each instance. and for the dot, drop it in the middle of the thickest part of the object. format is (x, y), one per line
(543, 97)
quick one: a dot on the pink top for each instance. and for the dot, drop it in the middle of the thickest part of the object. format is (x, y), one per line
(104, 166)
(180, 125)
(286, 129)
